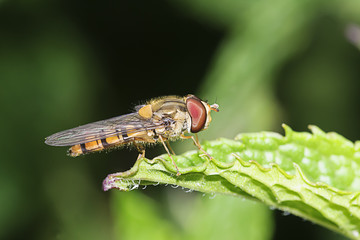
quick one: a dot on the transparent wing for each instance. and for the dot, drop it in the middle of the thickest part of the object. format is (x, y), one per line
(129, 123)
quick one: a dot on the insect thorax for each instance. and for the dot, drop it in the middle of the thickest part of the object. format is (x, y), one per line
(175, 117)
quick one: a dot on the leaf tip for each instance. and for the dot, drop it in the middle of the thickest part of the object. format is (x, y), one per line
(287, 129)
(316, 130)
(108, 183)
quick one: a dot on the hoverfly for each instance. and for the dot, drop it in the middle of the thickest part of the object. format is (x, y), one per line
(158, 121)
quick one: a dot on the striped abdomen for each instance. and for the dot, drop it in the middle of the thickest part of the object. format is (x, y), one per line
(94, 146)
(109, 142)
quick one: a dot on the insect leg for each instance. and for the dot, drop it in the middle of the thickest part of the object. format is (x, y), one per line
(141, 155)
(140, 149)
(167, 150)
(171, 150)
(196, 142)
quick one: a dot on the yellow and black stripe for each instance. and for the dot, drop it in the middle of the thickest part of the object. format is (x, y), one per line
(123, 137)
(96, 145)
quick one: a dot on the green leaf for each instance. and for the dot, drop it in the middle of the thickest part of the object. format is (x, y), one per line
(315, 176)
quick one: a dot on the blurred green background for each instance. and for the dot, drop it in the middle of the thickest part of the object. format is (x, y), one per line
(66, 63)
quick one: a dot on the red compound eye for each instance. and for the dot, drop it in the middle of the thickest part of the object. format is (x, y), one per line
(197, 113)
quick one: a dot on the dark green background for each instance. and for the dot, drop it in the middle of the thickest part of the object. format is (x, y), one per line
(66, 63)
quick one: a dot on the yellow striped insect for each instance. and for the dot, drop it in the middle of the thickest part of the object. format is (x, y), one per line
(158, 121)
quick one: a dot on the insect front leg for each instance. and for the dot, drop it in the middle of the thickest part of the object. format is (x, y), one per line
(197, 143)
(167, 150)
